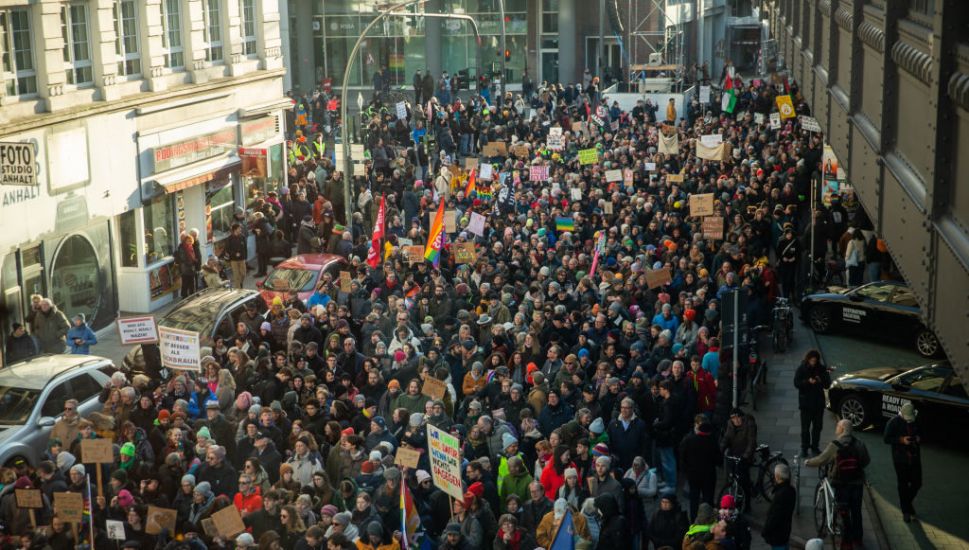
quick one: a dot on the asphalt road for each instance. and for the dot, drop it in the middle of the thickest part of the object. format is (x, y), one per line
(942, 501)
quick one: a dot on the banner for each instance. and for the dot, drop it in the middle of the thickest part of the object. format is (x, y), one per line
(589, 156)
(701, 205)
(444, 451)
(669, 145)
(720, 152)
(810, 123)
(785, 106)
(373, 255)
(138, 330)
(538, 172)
(180, 349)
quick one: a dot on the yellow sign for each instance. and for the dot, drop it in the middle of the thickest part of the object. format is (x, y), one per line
(785, 106)
(588, 156)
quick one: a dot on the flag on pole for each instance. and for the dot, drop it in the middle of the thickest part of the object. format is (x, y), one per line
(565, 536)
(435, 239)
(729, 101)
(600, 246)
(564, 224)
(373, 257)
(410, 520)
(471, 184)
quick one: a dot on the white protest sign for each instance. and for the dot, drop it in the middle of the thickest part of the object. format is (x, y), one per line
(711, 140)
(138, 330)
(704, 95)
(485, 172)
(775, 121)
(649, 166)
(180, 349)
(613, 175)
(444, 451)
(401, 110)
(810, 124)
(575, 193)
(115, 529)
(476, 224)
(758, 118)
(555, 140)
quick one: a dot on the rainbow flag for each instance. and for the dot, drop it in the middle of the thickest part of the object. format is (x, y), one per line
(435, 239)
(564, 224)
(471, 184)
(410, 519)
(485, 193)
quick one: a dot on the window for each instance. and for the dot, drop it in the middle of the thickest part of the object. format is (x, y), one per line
(213, 30)
(129, 244)
(221, 207)
(84, 387)
(876, 293)
(247, 11)
(160, 237)
(926, 379)
(126, 41)
(172, 34)
(17, 52)
(54, 404)
(905, 297)
(77, 49)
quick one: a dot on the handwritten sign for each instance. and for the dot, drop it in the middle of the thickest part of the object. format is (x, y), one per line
(470, 163)
(613, 175)
(28, 498)
(674, 178)
(704, 95)
(649, 166)
(658, 277)
(627, 177)
(713, 227)
(476, 224)
(138, 330)
(69, 506)
(555, 142)
(538, 172)
(711, 140)
(228, 522)
(588, 156)
(575, 194)
(701, 205)
(464, 253)
(758, 118)
(97, 451)
(434, 388)
(495, 149)
(161, 518)
(346, 281)
(775, 121)
(414, 254)
(607, 207)
(450, 221)
(445, 454)
(179, 349)
(407, 458)
(485, 172)
(810, 124)
(401, 110)
(115, 529)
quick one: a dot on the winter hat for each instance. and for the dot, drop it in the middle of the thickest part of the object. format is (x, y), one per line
(265, 324)
(571, 472)
(125, 499)
(392, 473)
(120, 475)
(597, 426)
(78, 468)
(416, 419)
(393, 385)
(23, 482)
(379, 420)
(128, 449)
(507, 440)
(704, 515)
(164, 414)
(204, 489)
(367, 467)
(601, 449)
(375, 529)
(376, 456)
(329, 510)
(218, 451)
(814, 544)
(255, 409)
(190, 479)
(727, 502)
(244, 401)
(65, 460)
(422, 475)
(245, 539)
(343, 518)
(559, 508)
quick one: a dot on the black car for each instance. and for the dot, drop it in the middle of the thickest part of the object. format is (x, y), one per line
(883, 309)
(872, 396)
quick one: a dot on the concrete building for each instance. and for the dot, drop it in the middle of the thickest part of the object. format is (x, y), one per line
(122, 124)
(554, 40)
(889, 83)
(715, 31)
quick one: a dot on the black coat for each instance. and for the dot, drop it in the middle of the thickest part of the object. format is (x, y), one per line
(777, 525)
(222, 479)
(668, 528)
(627, 443)
(810, 397)
(21, 348)
(897, 428)
(699, 456)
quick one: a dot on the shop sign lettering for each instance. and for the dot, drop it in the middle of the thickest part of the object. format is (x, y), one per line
(18, 165)
(20, 195)
(185, 152)
(853, 315)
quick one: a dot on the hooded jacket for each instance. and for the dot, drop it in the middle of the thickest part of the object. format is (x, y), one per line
(50, 329)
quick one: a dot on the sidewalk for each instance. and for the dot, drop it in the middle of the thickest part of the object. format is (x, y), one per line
(779, 425)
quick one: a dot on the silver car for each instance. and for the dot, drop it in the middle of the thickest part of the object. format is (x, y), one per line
(32, 397)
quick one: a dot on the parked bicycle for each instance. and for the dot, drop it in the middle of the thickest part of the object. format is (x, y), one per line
(797, 483)
(828, 513)
(762, 482)
(756, 367)
(782, 325)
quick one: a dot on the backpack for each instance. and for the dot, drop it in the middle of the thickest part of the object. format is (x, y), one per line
(848, 465)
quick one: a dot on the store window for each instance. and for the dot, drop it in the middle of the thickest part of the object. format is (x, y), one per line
(127, 227)
(17, 53)
(160, 235)
(219, 210)
(76, 278)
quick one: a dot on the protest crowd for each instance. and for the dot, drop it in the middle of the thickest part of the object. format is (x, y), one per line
(528, 354)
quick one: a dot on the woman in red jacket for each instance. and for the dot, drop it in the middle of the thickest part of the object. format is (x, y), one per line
(553, 476)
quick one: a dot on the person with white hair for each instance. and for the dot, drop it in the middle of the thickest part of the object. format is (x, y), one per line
(777, 524)
(846, 458)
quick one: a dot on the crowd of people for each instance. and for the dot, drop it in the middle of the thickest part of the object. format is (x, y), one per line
(581, 389)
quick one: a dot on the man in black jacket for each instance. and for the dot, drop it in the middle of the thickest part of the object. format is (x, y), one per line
(237, 252)
(220, 475)
(536, 507)
(811, 379)
(777, 525)
(665, 429)
(628, 437)
(700, 456)
(905, 437)
(267, 519)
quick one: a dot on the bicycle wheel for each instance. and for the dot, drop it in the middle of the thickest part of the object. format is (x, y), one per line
(820, 512)
(734, 489)
(766, 483)
(838, 530)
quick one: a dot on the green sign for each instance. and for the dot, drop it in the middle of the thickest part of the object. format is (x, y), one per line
(588, 156)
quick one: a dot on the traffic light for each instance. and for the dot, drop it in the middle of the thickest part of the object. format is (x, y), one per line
(507, 55)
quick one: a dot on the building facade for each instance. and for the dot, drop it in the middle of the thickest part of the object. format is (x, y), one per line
(122, 124)
(889, 83)
(554, 40)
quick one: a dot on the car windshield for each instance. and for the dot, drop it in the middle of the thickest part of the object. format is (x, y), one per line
(16, 404)
(877, 293)
(285, 279)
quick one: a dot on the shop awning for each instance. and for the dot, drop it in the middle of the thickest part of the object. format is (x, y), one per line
(195, 174)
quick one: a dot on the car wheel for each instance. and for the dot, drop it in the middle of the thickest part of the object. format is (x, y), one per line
(926, 343)
(820, 319)
(852, 409)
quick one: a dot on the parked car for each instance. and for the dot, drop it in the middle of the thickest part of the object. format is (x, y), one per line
(32, 397)
(210, 312)
(885, 309)
(301, 272)
(872, 396)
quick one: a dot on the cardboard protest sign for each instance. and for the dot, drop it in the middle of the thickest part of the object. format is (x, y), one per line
(359, 170)
(208, 527)
(228, 522)
(414, 254)
(464, 253)
(179, 349)
(810, 124)
(495, 149)
(470, 163)
(520, 150)
(138, 330)
(589, 156)
(97, 451)
(674, 178)
(444, 451)
(346, 281)
(161, 518)
(476, 224)
(701, 205)
(69, 506)
(407, 458)
(713, 227)
(720, 152)
(775, 121)
(115, 529)
(658, 277)
(607, 207)
(434, 388)
(613, 175)
(28, 498)
(450, 221)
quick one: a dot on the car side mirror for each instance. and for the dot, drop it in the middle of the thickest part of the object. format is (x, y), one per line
(45, 422)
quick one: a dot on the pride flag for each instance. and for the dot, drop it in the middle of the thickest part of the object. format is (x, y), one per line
(485, 193)
(435, 239)
(410, 519)
(373, 256)
(471, 184)
(564, 224)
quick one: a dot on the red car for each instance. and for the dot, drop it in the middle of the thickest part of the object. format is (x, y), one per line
(301, 272)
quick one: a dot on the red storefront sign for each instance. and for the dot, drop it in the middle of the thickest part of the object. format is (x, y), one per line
(199, 148)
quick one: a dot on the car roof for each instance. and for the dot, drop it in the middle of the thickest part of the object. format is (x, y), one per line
(35, 373)
(310, 261)
(201, 310)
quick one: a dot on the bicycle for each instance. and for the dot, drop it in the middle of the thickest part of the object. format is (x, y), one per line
(828, 513)
(782, 325)
(762, 484)
(797, 483)
(758, 368)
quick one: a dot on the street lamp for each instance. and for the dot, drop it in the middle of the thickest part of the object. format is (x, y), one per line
(392, 11)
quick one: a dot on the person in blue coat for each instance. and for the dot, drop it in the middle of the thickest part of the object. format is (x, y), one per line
(80, 337)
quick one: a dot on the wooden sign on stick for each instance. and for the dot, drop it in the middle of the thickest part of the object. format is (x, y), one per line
(658, 277)
(701, 205)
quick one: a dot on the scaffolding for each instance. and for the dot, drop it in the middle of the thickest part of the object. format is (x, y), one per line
(653, 32)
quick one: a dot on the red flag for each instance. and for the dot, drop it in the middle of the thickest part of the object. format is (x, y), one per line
(373, 257)
(471, 185)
